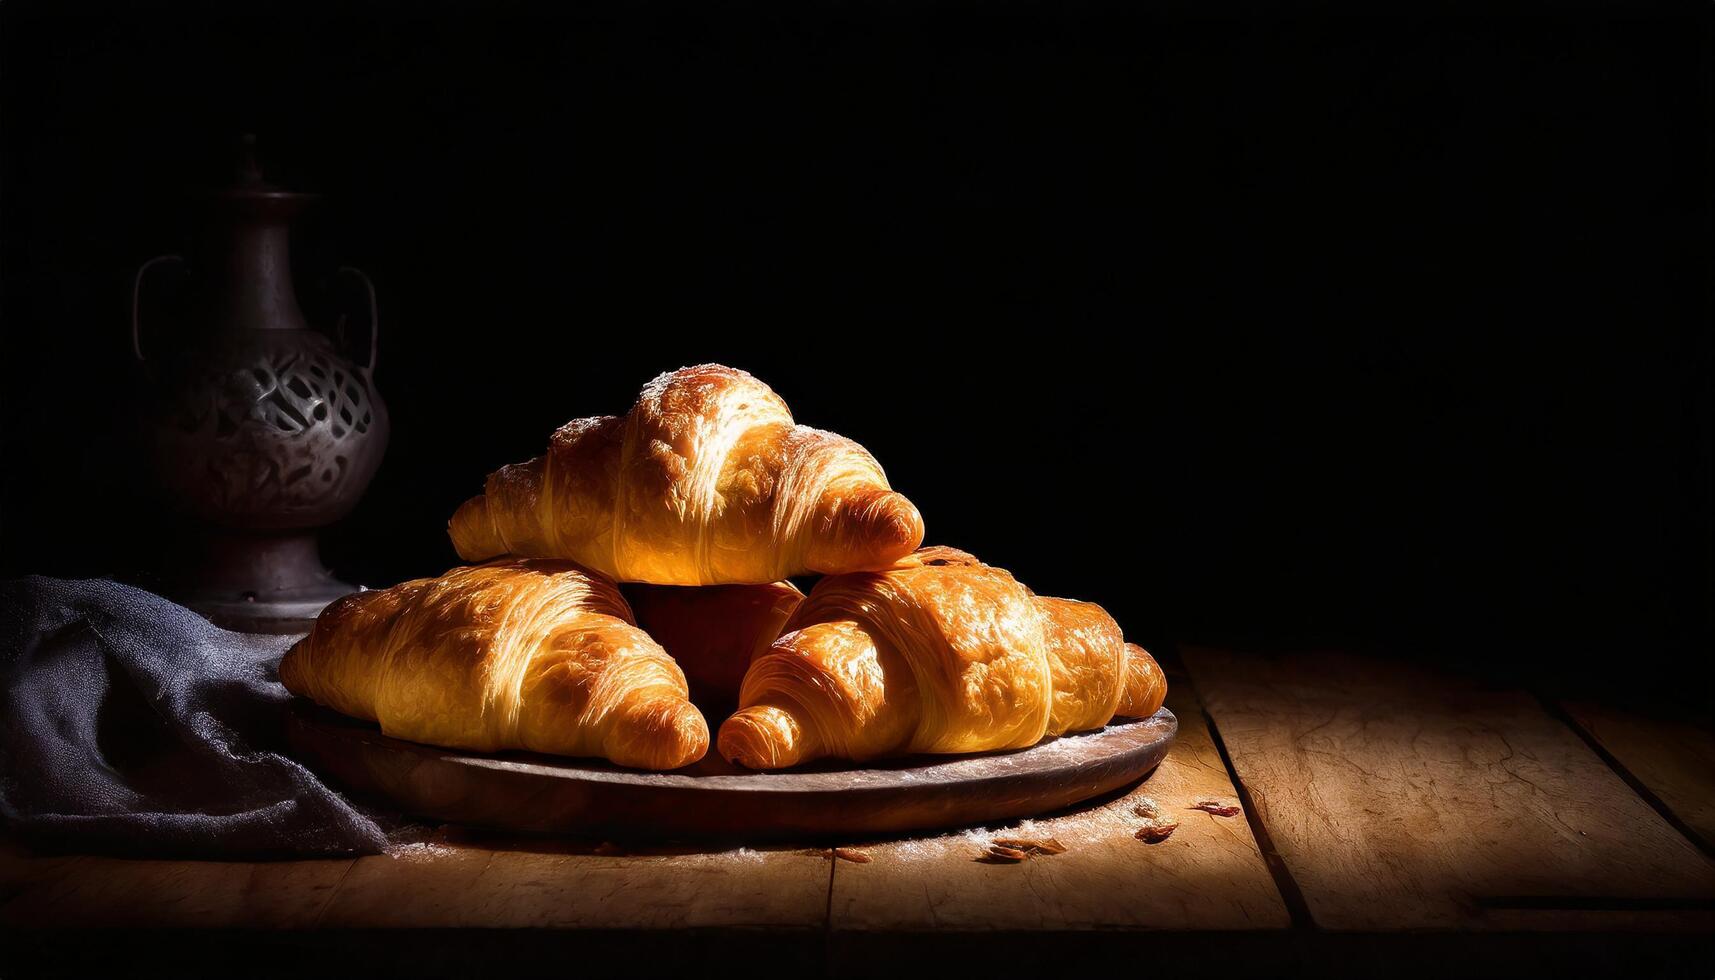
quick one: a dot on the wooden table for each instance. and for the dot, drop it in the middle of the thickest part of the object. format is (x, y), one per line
(1393, 818)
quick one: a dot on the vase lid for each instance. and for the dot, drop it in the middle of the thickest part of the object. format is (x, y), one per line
(249, 191)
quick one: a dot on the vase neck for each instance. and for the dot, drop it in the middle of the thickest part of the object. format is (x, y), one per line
(247, 256)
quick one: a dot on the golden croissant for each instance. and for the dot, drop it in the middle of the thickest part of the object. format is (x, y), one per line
(715, 631)
(535, 655)
(707, 480)
(941, 653)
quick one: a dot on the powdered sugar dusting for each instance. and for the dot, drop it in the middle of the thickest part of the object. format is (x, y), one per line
(973, 841)
(419, 852)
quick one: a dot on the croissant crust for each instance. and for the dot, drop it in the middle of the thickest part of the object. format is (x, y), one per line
(706, 480)
(521, 654)
(940, 653)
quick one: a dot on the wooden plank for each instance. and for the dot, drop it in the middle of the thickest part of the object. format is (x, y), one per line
(1207, 875)
(22, 870)
(103, 892)
(1399, 797)
(1673, 759)
(464, 881)
(487, 882)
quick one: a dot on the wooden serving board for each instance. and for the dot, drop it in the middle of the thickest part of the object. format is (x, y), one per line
(537, 793)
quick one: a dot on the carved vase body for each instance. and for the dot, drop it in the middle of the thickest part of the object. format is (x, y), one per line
(269, 430)
(262, 430)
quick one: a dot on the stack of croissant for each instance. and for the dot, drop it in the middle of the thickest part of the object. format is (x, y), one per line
(705, 498)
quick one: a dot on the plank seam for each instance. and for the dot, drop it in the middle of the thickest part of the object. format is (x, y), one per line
(333, 892)
(828, 919)
(1556, 711)
(1290, 893)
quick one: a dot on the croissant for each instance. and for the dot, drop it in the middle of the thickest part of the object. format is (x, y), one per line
(707, 480)
(941, 653)
(715, 631)
(536, 655)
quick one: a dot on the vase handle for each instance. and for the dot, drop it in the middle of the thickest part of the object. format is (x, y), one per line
(374, 318)
(136, 295)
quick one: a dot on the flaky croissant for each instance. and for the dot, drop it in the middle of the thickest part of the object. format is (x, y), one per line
(705, 481)
(941, 653)
(536, 655)
(715, 631)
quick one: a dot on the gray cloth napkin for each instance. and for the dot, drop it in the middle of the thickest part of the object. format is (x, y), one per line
(130, 724)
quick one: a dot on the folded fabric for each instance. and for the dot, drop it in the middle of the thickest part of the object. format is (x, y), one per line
(130, 724)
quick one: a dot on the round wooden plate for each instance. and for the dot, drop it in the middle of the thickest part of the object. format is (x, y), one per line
(714, 799)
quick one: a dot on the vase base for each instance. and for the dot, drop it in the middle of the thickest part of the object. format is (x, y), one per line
(256, 583)
(279, 613)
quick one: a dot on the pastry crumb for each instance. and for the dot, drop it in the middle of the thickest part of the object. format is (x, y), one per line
(1157, 830)
(1217, 808)
(1032, 845)
(1001, 854)
(851, 854)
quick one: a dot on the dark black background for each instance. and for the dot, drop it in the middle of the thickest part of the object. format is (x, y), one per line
(1264, 324)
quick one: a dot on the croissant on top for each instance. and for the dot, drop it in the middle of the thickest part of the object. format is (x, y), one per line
(706, 480)
(941, 654)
